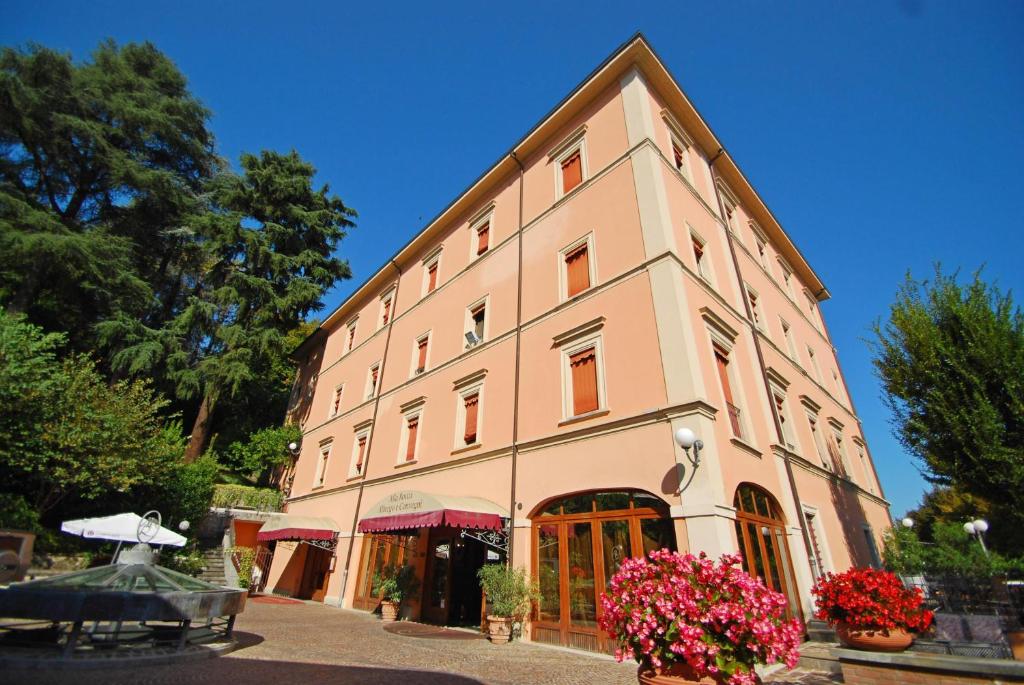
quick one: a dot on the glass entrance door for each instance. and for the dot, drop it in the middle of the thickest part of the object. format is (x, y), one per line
(437, 590)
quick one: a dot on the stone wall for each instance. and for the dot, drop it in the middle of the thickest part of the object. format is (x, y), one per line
(880, 668)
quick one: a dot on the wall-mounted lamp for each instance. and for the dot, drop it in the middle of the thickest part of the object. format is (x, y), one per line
(687, 439)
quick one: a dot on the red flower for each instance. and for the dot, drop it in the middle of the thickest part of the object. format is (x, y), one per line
(870, 598)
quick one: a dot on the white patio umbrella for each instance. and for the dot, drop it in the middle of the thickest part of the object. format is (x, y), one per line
(123, 528)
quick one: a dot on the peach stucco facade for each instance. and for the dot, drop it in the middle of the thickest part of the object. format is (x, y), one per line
(690, 277)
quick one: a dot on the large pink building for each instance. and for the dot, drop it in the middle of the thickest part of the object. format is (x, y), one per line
(509, 384)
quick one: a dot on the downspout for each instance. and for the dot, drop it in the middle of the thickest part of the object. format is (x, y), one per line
(515, 397)
(764, 370)
(369, 437)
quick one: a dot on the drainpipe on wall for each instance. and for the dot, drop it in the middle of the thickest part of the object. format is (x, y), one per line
(515, 397)
(369, 437)
(764, 370)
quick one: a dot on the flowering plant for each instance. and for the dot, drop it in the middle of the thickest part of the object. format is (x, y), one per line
(868, 598)
(673, 608)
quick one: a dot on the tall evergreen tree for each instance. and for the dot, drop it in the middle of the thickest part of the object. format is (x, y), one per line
(265, 246)
(951, 362)
(100, 163)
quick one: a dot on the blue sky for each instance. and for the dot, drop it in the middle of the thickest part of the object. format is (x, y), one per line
(885, 136)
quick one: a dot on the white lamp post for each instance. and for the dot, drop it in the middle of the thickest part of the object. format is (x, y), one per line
(978, 528)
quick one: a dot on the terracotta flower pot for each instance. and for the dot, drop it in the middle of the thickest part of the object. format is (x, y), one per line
(676, 674)
(873, 640)
(499, 629)
(388, 611)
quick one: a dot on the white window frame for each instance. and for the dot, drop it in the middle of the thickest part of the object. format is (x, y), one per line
(862, 454)
(337, 396)
(837, 439)
(433, 259)
(812, 310)
(595, 340)
(387, 296)
(577, 140)
(361, 431)
(756, 310)
(787, 334)
(788, 434)
(730, 202)
(470, 325)
(813, 518)
(475, 387)
(704, 268)
(677, 136)
(760, 245)
(819, 439)
(725, 338)
(484, 216)
(787, 278)
(409, 413)
(812, 360)
(372, 390)
(563, 269)
(350, 335)
(416, 354)
(323, 462)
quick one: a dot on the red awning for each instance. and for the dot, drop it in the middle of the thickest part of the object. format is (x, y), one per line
(411, 509)
(291, 527)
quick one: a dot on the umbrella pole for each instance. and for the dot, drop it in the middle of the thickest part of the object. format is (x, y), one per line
(116, 552)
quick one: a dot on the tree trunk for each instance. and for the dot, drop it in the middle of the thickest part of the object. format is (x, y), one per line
(200, 429)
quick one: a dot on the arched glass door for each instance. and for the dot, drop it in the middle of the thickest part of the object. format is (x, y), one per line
(579, 542)
(761, 535)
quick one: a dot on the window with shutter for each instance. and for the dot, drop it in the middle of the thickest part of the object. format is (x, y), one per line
(677, 155)
(387, 311)
(479, 319)
(483, 238)
(413, 428)
(722, 362)
(471, 404)
(431, 277)
(577, 270)
(421, 362)
(360, 453)
(572, 171)
(584, 381)
(351, 337)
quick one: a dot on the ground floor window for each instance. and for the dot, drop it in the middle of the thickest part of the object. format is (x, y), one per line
(380, 551)
(578, 543)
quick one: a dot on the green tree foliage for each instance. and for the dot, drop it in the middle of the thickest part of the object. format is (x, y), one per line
(68, 433)
(261, 453)
(951, 361)
(100, 163)
(951, 553)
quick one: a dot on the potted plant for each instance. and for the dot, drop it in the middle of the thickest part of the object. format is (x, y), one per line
(510, 594)
(393, 584)
(691, 619)
(871, 609)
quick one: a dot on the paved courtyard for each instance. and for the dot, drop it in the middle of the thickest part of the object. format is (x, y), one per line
(312, 643)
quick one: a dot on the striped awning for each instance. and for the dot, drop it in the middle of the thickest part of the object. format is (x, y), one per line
(295, 527)
(408, 509)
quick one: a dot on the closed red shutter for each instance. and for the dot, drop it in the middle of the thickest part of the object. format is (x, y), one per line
(577, 270)
(677, 155)
(351, 337)
(482, 237)
(471, 409)
(722, 361)
(698, 251)
(432, 276)
(422, 363)
(410, 450)
(362, 451)
(584, 381)
(387, 310)
(572, 172)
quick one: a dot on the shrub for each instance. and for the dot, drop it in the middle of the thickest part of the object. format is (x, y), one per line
(393, 584)
(868, 598)
(676, 610)
(243, 558)
(509, 590)
(187, 561)
(261, 499)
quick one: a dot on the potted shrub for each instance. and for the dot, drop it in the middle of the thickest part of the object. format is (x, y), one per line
(392, 585)
(691, 619)
(871, 609)
(511, 595)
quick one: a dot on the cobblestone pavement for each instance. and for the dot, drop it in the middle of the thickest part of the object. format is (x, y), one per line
(312, 643)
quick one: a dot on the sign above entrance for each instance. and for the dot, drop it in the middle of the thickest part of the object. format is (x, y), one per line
(414, 509)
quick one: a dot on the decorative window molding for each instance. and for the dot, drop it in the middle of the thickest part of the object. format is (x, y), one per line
(701, 256)
(480, 245)
(587, 330)
(350, 335)
(585, 243)
(810, 403)
(682, 146)
(575, 144)
(323, 462)
(420, 361)
(336, 397)
(432, 271)
(387, 307)
(360, 441)
(787, 333)
(373, 381)
(756, 309)
(787, 278)
(760, 245)
(777, 378)
(676, 128)
(463, 395)
(721, 332)
(412, 430)
(470, 379)
(730, 204)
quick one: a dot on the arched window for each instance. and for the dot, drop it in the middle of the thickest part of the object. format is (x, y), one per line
(578, 543)
(761, 536)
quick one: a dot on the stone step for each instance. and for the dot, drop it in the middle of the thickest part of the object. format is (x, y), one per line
(817, 656)
(820, 631)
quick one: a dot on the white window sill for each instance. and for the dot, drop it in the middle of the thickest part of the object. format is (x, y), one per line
(745, 446)
(467, 448)
(583, 417)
